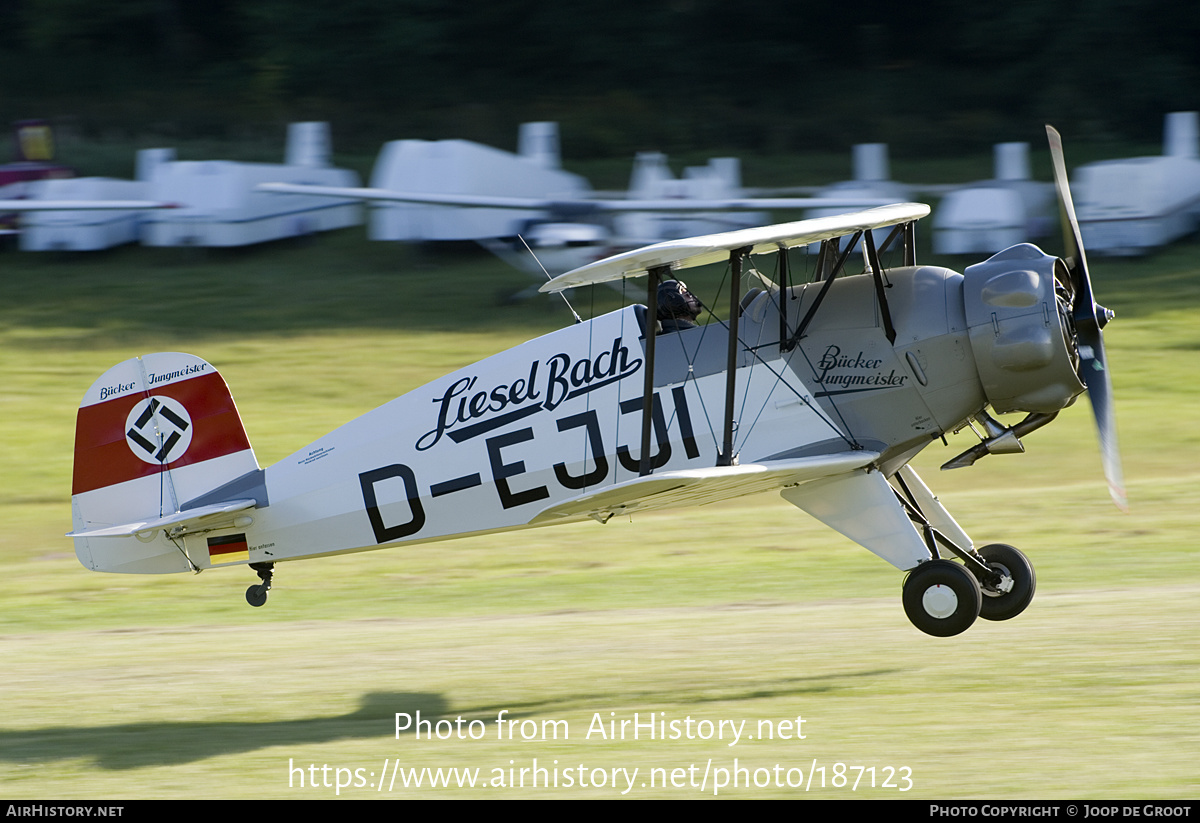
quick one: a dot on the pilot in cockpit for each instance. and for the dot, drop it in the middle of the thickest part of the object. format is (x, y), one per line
(678, 308)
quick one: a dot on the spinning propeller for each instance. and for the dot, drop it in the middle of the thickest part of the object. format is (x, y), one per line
(1089, 318)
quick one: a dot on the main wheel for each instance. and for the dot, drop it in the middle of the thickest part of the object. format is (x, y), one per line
(1000, 605)
(942, 598)
(256, 595)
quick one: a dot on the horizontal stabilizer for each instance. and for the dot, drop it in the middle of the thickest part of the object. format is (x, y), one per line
(216, 516)
(714, 248)
(694, 487)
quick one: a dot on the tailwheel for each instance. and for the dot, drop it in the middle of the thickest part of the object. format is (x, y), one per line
(257, 595)
(1017, 586)
(942, 598)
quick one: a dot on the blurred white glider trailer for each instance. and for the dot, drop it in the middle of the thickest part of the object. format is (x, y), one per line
(991, 215)
(978, 219)
(460, 190)
(49, 222)
(83, 229)
(872, 180)
(462, 167)
(652, 180)
(219, 206)
(872, 183)
(1132, 206)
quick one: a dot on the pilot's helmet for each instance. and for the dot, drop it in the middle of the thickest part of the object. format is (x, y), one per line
(676, 302)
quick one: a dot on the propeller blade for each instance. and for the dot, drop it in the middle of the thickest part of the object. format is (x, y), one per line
(1089, 319)
(1093, 371)
(1076, 259)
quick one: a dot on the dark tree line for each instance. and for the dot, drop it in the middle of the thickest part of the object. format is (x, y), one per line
(766, 75)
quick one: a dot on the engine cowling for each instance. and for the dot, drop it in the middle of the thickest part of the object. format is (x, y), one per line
(1017, 305)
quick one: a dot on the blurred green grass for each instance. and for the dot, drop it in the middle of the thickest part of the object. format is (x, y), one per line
(127, 686)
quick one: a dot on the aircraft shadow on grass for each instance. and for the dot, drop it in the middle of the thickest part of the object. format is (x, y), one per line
(155, 743)
(138, 745)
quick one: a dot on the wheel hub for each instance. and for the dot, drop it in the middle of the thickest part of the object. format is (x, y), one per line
(1006, 581)
(939, 601)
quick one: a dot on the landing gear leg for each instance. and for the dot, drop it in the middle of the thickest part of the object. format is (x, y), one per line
(1004, 575)
(257, 595)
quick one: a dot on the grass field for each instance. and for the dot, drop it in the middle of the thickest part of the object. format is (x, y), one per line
(172, 687)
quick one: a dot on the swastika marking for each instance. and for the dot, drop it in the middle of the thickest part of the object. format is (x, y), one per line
(158, 430)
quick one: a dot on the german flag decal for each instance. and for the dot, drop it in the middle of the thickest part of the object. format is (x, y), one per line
(231, 548)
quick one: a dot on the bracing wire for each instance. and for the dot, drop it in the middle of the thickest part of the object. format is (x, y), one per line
(563, 295)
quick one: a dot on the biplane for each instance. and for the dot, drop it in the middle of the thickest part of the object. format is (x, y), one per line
(823, 390)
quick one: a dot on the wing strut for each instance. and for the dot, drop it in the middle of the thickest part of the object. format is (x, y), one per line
(827, 270)
(841, 261)
(877, 273)
(785, 344)
(656, 274)
(910, 249)
(727, 457)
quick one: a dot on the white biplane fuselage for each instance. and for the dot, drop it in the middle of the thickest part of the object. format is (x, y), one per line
(502, 443)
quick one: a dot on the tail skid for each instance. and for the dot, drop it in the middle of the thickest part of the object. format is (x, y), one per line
(152, 434)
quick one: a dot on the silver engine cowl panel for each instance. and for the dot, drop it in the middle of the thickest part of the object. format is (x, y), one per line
(1018, 317)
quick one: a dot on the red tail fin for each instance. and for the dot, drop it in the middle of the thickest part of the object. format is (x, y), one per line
(153, 433)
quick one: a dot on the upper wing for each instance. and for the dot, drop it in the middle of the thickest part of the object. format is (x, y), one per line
(694, 487)
(712, 248)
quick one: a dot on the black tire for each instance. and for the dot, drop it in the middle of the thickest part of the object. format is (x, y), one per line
(256, 595)
(999, 605)
(942, 598)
